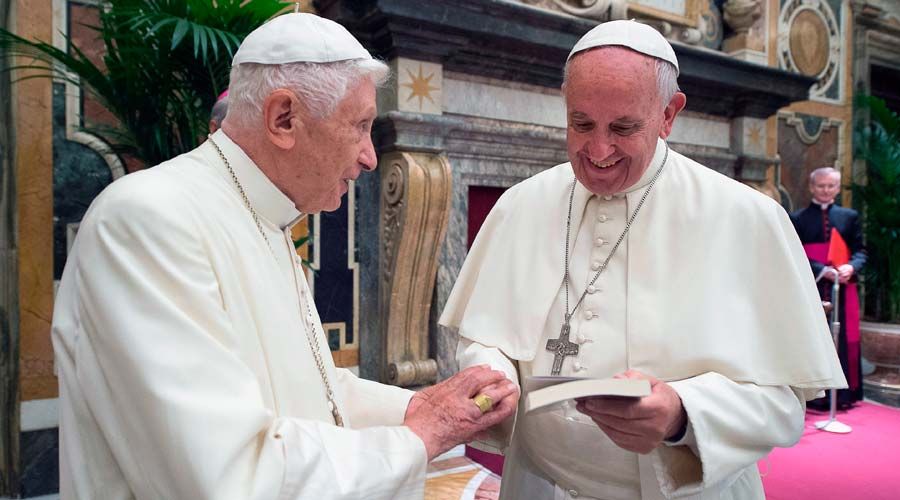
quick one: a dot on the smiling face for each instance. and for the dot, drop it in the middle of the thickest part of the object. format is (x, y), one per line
(329, 152)
(614, 117)
(825, 187)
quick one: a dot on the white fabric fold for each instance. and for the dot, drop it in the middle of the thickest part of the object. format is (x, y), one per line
(714, 268)
(185, 371)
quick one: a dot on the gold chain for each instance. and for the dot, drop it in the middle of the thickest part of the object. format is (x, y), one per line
(311, 336)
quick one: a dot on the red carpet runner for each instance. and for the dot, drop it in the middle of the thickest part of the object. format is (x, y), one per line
(863, 465)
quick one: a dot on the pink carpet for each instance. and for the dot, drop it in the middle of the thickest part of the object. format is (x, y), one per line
(863, 465)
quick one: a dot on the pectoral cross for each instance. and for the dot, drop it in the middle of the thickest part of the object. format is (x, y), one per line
(562, 347)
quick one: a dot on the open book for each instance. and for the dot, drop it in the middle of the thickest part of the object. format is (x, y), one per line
(545, 391)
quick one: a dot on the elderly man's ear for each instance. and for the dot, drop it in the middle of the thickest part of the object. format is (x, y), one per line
(283, 114)
(676, 104)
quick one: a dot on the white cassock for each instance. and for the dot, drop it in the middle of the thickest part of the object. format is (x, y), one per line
(184, 367)
(709, 291)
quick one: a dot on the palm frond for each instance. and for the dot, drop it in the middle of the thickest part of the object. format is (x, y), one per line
(164, 64)
(877, 142)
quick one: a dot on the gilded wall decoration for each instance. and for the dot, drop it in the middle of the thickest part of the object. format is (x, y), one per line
(710, 26)
(810, 41)
(420, 86)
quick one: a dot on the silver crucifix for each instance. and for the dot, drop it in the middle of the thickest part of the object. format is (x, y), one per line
(561, 347)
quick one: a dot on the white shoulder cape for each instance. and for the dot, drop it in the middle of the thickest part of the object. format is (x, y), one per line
(717, 280)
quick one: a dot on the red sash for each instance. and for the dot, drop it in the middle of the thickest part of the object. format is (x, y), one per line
(819, 252)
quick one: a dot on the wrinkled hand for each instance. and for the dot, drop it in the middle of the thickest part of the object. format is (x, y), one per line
(638, 425)
(444, 414)
(844, 273)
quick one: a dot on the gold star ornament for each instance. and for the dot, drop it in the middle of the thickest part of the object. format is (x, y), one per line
(420, 86)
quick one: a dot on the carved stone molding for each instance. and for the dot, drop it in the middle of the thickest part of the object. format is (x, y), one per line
(742, 14)
(751, 169)
(809, 128)
(415, 206)
(519, 43)
(598, 10)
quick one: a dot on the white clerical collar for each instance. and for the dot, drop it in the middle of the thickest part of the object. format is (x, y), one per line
(268, 201)
(651, 170)
(823, 206)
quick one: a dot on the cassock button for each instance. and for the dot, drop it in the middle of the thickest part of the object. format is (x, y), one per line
(578, 366)
(589, 314)
(602, 218)
(592, 289)
(607, 197)
(573, 493)
(600, 241)
(595, 265)
(580, 339)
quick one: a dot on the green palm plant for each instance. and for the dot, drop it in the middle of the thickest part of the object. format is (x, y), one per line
(877, 142)
(164, 64)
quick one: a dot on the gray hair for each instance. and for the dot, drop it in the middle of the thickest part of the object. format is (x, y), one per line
(666, 78)
(823, 171)
(321, 86)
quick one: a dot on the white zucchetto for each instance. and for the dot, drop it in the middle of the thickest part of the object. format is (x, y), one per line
(299, 37)
(631, 34)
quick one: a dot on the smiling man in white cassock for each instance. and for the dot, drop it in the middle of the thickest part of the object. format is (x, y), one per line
(192, 363)
(658, 268)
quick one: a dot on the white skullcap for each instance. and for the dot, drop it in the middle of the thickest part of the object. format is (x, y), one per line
(631, 34)
(299, 37)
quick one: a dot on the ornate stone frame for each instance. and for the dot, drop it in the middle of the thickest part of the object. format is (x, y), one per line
(834, 69)
(693, 8)
(74, 132)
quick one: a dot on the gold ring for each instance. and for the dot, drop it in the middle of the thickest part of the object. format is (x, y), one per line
(483, 402)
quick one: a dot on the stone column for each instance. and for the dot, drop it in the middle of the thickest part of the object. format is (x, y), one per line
(748, 140)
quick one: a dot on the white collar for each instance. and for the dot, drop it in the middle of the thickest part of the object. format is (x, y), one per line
(267, 200)
(823, 206)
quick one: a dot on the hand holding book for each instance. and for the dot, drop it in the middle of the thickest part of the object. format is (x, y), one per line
(638, 424)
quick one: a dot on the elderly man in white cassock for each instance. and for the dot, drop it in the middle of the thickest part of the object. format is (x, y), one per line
(644, 264)
(192, 363)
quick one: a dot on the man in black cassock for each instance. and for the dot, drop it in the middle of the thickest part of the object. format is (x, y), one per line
(814, 226)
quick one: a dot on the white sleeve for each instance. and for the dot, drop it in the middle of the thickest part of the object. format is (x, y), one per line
(370, 404)
(469, 353)
(182, 412)
(731, 426)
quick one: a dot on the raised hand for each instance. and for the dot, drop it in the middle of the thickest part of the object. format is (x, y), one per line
(638, 425)
(444, 415)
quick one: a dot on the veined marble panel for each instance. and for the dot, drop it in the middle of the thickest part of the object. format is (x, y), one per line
(701, 131)
(491, 101)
